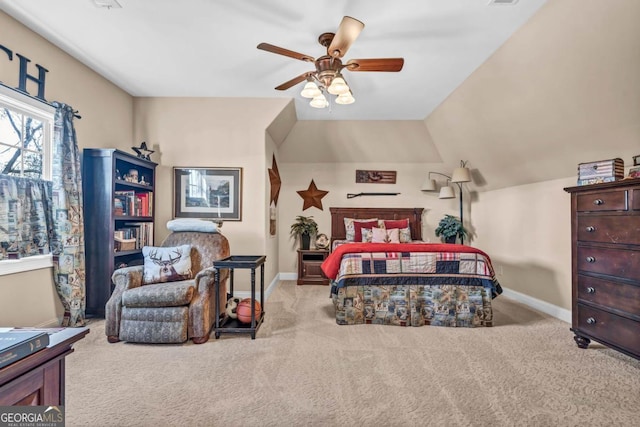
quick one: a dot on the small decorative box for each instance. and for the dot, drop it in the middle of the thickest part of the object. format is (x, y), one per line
(600, 171)
(124, 244)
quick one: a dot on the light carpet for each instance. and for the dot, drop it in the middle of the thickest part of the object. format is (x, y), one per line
(305, 370)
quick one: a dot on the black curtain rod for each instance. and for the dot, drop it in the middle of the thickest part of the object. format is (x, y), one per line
(75, 112)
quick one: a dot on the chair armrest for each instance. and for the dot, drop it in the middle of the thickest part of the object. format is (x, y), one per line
(123, 278)
(127, 278)
(205, 278)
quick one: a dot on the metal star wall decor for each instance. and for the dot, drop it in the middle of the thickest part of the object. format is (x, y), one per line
(312, 196)
(274, 179)
(143, 152)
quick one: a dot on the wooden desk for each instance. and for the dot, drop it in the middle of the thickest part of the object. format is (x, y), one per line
(38, 379)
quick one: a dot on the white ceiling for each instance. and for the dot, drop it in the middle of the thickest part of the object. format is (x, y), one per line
(207, 48)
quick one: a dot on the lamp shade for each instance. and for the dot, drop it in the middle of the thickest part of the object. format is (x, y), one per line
(319, 102)
(447, 193)
(338, 86)
(310, 90)
(429, 185)
(461, 175)
(345, 98)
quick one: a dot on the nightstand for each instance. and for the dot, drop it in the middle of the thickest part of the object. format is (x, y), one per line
(309, 263)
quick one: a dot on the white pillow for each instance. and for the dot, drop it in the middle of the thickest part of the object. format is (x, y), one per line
(382, 235)
(166, 264)
(192, 224)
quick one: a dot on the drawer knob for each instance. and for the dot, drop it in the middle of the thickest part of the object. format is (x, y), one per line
(591, 290)
(591, 229)
(598, 202)
(591, 259)
(591, 321)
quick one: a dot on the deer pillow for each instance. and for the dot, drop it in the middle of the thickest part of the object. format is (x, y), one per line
(166, 264)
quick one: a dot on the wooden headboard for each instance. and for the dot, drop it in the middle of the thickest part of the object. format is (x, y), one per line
(338, 215)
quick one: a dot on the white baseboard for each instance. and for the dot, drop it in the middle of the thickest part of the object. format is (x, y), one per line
(543, 306)
(53, 323)
(288, 276)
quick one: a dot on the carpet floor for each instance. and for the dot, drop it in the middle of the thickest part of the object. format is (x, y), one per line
(305, 370)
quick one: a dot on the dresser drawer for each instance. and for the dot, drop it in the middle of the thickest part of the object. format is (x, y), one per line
(613, 262)
(619, 296)
(609, 228)
(602, 201)
(611, 328)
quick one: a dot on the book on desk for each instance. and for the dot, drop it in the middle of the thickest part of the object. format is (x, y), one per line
(17, 344)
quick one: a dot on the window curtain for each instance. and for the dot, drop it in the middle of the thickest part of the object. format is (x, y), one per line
(25, 217)
(67, 241)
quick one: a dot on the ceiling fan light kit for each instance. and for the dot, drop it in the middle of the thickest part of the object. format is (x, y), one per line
(319, 102)
(327, 76)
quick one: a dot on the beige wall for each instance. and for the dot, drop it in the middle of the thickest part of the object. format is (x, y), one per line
(339, 179)
(214, 132)
(29, 299)
(527, 232)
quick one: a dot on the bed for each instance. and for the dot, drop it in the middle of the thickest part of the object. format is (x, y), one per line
(410, 283)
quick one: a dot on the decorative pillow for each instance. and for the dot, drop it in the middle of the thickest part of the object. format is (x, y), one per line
(166, 264)
(382, 235)
(405, 235)
(349, 228)
(399, 223)
(367, 235)
(359, 226)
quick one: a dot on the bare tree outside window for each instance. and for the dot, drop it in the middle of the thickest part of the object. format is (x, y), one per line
(21, 144)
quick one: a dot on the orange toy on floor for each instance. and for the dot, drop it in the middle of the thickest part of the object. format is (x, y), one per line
(244, 310)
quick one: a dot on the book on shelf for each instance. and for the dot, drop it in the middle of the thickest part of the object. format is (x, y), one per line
(131, 203)
(17, 344)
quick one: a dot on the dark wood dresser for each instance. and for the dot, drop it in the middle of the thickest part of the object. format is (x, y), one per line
(605, 233)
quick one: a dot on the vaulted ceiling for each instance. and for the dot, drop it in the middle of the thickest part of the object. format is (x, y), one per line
(208, 47)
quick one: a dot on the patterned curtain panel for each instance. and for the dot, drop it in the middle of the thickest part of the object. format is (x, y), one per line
(67, 242)
(25, 217)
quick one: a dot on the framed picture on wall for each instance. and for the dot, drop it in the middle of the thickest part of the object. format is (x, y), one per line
(207, 193)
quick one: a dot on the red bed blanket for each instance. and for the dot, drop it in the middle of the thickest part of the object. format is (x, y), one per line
(331, 265)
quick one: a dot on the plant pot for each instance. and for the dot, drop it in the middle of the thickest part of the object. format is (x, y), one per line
(451, 239)
(305, 241)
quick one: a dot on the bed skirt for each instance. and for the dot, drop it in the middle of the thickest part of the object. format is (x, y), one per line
(414, 305)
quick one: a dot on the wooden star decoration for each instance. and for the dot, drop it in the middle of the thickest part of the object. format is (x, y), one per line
(143, 152)
(312, 196)
(274, 179)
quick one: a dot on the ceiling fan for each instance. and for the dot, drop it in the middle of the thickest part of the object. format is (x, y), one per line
(328, 73)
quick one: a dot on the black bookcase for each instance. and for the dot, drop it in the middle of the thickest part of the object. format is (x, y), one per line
(118, 193)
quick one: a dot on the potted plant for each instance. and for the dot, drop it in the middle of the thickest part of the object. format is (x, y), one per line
(450, 228)
(305, 227)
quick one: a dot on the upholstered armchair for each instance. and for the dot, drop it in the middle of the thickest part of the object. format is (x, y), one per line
(169, 311)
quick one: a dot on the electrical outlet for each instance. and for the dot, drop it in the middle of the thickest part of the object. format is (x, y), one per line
(500, 270)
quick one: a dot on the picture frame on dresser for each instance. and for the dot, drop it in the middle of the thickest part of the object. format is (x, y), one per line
(207, 192)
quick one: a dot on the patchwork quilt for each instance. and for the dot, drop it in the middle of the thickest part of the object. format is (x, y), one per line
(412, 284)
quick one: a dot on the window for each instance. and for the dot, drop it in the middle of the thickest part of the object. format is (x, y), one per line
(26, 146)
(26, 135)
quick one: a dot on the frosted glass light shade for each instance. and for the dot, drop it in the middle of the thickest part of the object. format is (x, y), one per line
(319, 102)
(461, 175)
(345, 99)
(338, 86)
(447, 193)
(310, 90)
(429, 185)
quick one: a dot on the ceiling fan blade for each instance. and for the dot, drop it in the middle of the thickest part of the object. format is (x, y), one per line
(286, 52)
(377, 64)
(347, 33)
(294, 81)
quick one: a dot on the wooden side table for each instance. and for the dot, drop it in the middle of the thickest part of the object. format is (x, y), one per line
(38, 379)
(229, 325)
(309, 267)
